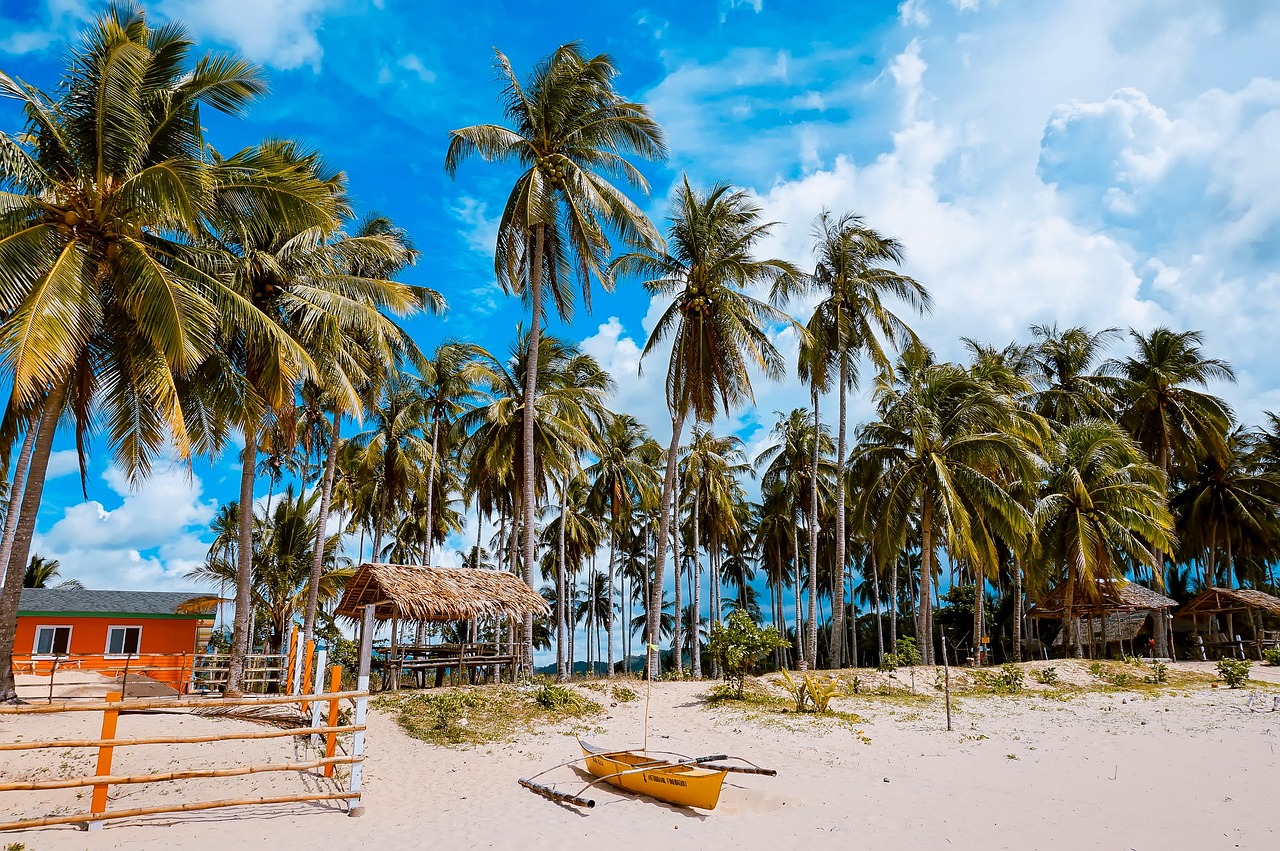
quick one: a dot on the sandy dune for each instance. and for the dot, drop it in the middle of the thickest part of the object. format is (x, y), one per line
(1108, 771)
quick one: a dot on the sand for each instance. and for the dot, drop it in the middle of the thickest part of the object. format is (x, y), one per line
(1120, 770)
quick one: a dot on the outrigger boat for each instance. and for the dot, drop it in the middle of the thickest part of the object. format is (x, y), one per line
(676, 779)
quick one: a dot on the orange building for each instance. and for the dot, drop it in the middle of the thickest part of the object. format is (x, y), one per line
(156, 633)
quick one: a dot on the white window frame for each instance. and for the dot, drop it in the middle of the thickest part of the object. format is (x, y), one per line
(35, 643)
(107, 650)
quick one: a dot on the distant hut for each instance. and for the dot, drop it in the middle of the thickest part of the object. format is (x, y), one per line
(1116, 612)
(1206, 607)
(438, 594)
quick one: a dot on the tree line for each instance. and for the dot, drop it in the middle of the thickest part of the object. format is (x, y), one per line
(155, 293)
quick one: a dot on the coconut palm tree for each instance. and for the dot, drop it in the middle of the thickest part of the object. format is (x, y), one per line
(942, 447)
(105, 299)
(718, 331)
(40, 572)
(1069, 385)
(1102, 508)
(852, 320)
(571, 133)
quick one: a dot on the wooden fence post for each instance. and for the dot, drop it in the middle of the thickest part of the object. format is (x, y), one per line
(308, 656)
(355, 807)
(317, 689)
(331, 738)
(291, 666)
(109, 717)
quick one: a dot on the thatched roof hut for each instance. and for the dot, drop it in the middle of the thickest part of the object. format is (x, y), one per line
(1122, 626)
(1215, 600)
(414, 593)
(1111, 596)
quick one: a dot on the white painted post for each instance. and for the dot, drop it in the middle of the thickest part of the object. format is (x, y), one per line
(322, 657)
(354, 804)
(295, 677)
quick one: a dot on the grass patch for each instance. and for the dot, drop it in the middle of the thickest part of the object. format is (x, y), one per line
(475, 716)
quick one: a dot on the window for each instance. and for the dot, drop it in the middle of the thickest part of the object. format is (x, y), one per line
(123, 640)
(52, 641)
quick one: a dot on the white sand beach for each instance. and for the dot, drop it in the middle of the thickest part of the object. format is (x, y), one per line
(1117, 770)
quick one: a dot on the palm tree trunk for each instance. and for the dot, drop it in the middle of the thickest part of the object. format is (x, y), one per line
(837, 627)
(322, 523)
(613, 550)
(795, 563)
(677, 635)
(695, 649)
(530, 415)
(654, 615)
(875, 590)
(924, 626)
(811, 631)
(1162, 648)
(893, 607)
(562, 674)
(1017, 608)
(431, 487)
(17, 546)
(14, 510)
(244, 566)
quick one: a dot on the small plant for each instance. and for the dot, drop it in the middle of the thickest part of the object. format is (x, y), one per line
(799, 691)
(622, 694)
(1234, 672)
(1011, 756)
(1159, 673)
(739, 644)
(822, 691)
(1131, 660)
(15, 846)
(1119, 680)
(1272, 656)
(855, 685)
(1097, 670)
(1047, 676)
(1008, 681)
(905, 655)
(553, 698)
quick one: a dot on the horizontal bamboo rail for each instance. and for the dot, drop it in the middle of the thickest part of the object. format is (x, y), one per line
(179, 808)
(178, 703)
(175, 740)
(165, 776)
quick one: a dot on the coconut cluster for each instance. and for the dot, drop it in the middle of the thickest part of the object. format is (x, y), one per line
(550, 167)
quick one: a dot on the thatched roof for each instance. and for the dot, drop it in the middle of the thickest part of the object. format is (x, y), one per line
(1108, 595)
(437, 594)
(1212, 600)
(1123, 626)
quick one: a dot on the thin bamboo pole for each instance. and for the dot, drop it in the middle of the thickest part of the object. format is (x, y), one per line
(109, 718)
(175, 703)
(331, 740)
(307, 659)
(174, 740)
(362, 709)
(318, 688)
(179, 808)
(293, 659)
(190, 774)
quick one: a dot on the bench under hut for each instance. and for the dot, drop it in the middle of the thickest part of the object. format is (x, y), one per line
(415, 594)
(1207, 611)
(1109, 612)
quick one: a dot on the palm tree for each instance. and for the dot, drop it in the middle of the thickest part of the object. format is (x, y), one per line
(40, 572)
(718, 330)
(292, 263)
(1069, 387)
(1159, 405)
(620, 480)
(1102, 508)
(942, 447)
(849, 322)
(571, 132)
(103, 295)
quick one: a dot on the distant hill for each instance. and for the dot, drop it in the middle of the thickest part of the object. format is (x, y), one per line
(601, 668)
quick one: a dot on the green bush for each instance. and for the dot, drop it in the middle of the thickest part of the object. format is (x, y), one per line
(1234, 672)
(1047, 676)
(739, 644)
(622, 694)
(1272, 656)
(1097, 670)
(554, 698)
(905, 655)
(1159, 673)
(1008, 681)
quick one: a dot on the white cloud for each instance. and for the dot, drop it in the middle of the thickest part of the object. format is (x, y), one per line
(481, 231)
(104, 547)
(63, 462)
(413, 64)
(280, 33)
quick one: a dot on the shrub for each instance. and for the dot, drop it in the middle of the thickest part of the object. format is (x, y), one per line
(799, 691)
(1119, 680)
(1008, 681)
(1272, 656)
(1234, 672)
(1097, 670)
(905, 655)
(622, 694)
(1047, 676)
(813, 693)
(739, 644)
(554, 698)
(1159, 673)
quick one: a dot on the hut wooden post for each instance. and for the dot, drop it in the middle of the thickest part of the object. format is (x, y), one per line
(393, 660)
(109, 718)
(331, 738)
(356, 809)
(318, 689)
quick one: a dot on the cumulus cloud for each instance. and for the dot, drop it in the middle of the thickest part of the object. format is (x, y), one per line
(147, 541)
(280, 33)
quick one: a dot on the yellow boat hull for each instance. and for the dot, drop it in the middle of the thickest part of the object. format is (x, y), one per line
(682, 785)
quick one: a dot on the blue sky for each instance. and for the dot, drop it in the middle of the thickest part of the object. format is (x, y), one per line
(1078, 162)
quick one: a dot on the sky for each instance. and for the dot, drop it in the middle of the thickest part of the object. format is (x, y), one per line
(1078, 162)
